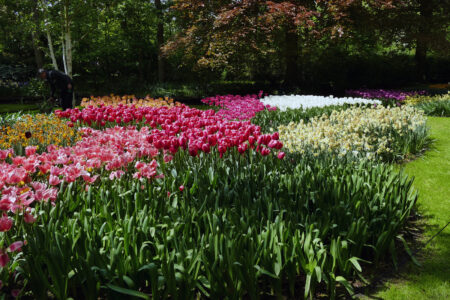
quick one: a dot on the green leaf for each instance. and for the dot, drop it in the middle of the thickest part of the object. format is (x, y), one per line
(354, 261)
(128, 292)
(265, 272)
(307, 285)
(408, 251)
(129, 281)
(345, 283)
(318, 273)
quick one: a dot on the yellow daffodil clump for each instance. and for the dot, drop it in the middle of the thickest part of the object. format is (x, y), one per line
(38, 130)
(372, 132)
(114, 100)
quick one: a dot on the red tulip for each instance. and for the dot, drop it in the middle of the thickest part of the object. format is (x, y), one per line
(265, 151)
(4, 259)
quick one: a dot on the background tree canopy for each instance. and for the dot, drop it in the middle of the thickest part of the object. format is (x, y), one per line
(127, 46)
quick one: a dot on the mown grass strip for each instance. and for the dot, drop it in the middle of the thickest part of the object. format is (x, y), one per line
(432, 178)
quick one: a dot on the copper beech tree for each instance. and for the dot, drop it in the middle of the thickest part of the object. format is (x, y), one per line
(229, 33)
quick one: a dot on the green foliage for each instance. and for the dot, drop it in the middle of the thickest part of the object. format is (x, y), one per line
(271, 120)
(10, 119)
(432, 105)
(244, 226)
(436, 108)
(115, 47)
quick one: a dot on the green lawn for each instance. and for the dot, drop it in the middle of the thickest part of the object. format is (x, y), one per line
(9, 108)
(432, 179)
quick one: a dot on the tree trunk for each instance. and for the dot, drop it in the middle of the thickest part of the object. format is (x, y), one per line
(38, 55)
(52, 52)
(160, 41)
(426, 13)
(291, 58)
(64, 54)
(68, 39)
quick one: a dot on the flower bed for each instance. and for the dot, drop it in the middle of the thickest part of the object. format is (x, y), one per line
(309, 101)
(114, 100)
(37, 130)
(238, 107)
(114, 151)
(383, 94)
(176, 202)
(376, 133)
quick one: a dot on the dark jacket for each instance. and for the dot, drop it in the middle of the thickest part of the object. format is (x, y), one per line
(58, 80)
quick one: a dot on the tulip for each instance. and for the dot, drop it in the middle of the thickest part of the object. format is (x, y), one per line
(29, 218)
(206, 148)
(16, 246)
(30, 150)
(5, 223)
(54, 180)
(4, 259)
(265, 151)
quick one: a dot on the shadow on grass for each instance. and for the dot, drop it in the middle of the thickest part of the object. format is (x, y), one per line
(433, 257)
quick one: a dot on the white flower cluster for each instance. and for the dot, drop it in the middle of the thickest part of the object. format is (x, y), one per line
(368, 131)
(309, 101)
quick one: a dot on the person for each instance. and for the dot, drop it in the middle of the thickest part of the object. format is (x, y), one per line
(60, 81)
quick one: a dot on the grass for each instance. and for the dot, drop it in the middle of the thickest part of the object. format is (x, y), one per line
(10, 108)
(432, 179)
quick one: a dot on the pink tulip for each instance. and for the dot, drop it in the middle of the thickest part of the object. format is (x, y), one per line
(16, 246)
(29, 218)
(15, 293)
(54, 180)
(5, 223)
(30, 150)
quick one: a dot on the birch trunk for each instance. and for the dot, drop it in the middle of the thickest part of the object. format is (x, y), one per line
(64, 55)
(52, 52)
(68, 39)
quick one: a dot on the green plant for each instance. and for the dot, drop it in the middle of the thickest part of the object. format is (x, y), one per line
(438, 105)
(270, 120)
(435, 108)
(241, 226)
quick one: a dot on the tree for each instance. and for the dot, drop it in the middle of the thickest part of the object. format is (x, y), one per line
(160, 40)
(218, 31)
